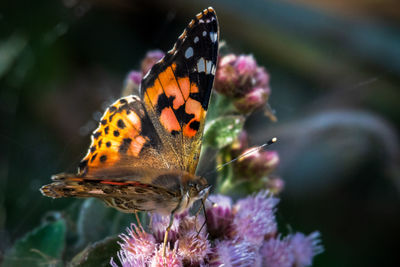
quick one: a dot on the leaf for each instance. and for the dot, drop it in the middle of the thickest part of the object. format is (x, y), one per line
(223, 131)
(41, 247)
(97, 221)
(98, 254)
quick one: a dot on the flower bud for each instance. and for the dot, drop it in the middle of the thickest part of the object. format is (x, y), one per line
(151, 58)
(258, 163)
(132, 83)
(226, 77)
(253, 100)
(275, 185)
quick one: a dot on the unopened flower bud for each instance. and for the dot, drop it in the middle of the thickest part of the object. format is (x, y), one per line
(253, 100)
(258, 163)
(132, 83)
(246, 68)
(275, 185)
(151, 58)
(226, 77)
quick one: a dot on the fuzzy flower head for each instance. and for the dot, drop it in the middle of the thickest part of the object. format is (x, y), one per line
(159, 225)
(190, 224)
(305, 248)
(128, 260)
(277, 253)
(255, 217)
(194, 248)
(171, 259)
(219, 216)
(240, 78)
(229, 253)
(137, 243)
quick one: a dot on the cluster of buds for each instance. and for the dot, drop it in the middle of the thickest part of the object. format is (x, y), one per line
(255, 165)
(244, 234)
(243, 81)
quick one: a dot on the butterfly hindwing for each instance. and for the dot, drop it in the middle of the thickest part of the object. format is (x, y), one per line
(124, 143)
(176, 91)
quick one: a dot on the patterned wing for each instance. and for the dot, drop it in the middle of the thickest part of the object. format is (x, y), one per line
(176, 91)
(125, 143)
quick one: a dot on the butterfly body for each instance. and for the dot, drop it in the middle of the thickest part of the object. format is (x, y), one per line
(144, 153)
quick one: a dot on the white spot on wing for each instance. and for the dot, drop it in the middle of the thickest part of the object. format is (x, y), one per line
(189, 52)
(204, 33)
(201, 21)
(213, 36)
(196, 39)
(200, 65)
(213, 69)
(209, 64)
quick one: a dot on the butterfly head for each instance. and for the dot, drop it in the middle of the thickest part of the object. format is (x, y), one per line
(198, 188)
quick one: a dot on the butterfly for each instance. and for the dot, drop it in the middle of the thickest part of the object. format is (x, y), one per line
(144, 153)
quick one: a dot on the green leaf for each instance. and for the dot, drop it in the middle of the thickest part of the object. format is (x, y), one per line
(41, 247)
(223, 131)
(97, 221)
(98, 254)
(220, 105)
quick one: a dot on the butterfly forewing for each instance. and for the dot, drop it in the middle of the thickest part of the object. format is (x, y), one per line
(176, 91)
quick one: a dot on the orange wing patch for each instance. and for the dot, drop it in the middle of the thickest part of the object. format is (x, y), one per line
(117, 136)
(168, 96)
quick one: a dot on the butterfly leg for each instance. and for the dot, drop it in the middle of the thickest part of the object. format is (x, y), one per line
(171, 220)
(138, 219)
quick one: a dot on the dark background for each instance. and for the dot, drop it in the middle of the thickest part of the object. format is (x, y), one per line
(335, 72)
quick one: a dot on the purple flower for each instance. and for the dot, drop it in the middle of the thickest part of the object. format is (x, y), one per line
(305, 248)
(171, 259)
(235, 254)
(160, 223)
(193, 248)
(128, 260)
(137, 244)
(277, 253)
(246, 66)
(151, 58)
(239, 78)
(189, 224)
(132, 83)
(219, 216)
(255, 217)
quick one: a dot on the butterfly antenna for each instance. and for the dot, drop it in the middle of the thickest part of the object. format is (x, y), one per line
(270, 142)
(205, 217)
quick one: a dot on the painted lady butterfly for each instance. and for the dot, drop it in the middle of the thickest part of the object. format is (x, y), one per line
(144, 154)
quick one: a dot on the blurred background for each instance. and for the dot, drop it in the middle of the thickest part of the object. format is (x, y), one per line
(335, 78)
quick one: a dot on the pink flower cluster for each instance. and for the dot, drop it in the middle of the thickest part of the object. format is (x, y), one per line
(244, 234)
(242, 80)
